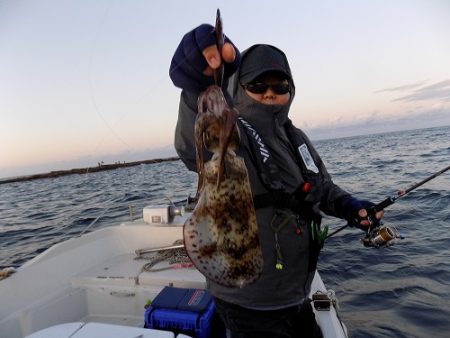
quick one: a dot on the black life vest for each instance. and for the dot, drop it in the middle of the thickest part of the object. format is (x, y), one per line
(308, 194)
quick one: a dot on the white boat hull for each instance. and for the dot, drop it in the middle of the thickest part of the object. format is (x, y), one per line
(93, 283)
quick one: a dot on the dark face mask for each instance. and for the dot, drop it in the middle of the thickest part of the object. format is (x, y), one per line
(260, 115)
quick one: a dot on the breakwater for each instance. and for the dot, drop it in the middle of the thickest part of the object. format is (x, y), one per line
(100, 167)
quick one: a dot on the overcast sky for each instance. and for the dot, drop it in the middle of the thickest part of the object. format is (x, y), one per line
(84, 80)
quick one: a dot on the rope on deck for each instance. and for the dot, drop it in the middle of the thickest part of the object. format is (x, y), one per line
(177, 258)
(6, 272)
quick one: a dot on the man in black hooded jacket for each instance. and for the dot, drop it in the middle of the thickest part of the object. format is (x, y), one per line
(289, 182)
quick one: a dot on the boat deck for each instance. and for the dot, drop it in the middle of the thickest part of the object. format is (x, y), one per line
(124, 271)
(107, 285)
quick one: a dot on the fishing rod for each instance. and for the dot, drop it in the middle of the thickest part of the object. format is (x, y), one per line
(391, 200)
(379, 236)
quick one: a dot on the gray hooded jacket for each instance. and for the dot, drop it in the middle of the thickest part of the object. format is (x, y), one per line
(276, 288)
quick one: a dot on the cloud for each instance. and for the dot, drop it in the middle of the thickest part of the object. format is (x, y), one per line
(402, 88)
(376, 122)
(418, 92)
(437, 91)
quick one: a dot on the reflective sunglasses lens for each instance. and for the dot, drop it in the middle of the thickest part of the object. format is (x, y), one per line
(281, 89)
(257, 88)
(261, 88)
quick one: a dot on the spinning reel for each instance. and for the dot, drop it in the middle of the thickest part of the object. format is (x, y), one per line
(381, 236)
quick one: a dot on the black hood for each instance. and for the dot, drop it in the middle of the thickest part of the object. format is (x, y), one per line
(257, 60)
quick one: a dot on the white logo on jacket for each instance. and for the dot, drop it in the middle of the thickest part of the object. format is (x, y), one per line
(262, 147)
(307, 158)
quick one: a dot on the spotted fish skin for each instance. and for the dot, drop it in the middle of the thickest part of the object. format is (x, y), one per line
(221, 236)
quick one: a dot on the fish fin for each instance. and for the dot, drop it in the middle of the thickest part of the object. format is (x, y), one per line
(210, 251)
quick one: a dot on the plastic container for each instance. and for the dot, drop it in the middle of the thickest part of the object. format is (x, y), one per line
(188, 311)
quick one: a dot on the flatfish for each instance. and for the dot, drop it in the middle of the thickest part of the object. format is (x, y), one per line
(221, 236)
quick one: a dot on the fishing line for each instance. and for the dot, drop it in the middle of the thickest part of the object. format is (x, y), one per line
(91, 84)
(146, 93)
(97, 109)
(96, 219)
(128, 181)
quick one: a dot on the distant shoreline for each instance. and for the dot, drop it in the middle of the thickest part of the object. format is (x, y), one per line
(100, 167)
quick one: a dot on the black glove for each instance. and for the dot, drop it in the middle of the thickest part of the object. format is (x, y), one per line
(348, 207)
(188, 62)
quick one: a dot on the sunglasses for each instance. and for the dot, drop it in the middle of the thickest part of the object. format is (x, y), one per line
(261, 88)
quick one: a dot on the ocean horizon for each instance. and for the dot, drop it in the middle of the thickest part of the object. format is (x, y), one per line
(397, 291)
(162, 152)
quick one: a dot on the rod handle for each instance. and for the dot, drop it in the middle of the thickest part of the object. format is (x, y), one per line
(384, 204)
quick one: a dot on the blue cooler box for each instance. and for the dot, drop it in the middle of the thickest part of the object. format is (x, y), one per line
(188, 311)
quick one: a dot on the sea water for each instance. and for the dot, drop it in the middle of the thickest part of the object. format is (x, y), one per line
(399, 291)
